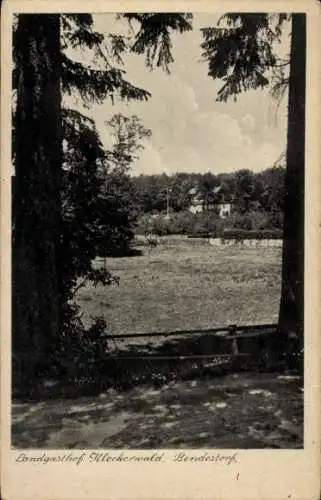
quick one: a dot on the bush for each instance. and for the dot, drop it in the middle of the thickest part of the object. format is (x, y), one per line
(276, 220)
(249, 221)
(179, 223)
(143, 224)
(182, 222)
(205, 224)
(255, 220)
(161, 226)
(82, 353)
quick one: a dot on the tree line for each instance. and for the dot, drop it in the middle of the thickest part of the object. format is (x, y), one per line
(246, 190)
(62, 171)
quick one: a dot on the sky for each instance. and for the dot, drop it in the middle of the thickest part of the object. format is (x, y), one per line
(191, 132)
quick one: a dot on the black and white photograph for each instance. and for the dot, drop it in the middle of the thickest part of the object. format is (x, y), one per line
(158, 230)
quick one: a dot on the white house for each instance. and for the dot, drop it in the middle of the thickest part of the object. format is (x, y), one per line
(224, 210)
(196, 205)
(223, 207)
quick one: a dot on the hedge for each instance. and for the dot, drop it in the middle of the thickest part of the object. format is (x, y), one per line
(242, 234)
(202, 234)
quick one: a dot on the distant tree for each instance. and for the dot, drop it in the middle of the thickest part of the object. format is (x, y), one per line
(242, 54)
(271, 194)
(244, 187)
(205, 188)
(121, 207)
(128, 134)
(118, 213)
(143, 194)
(227, 181)
(151, 192)
(180, 191)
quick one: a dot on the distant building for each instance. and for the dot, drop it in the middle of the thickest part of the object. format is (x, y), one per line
(218, 202)
(224, 209)
(197, 201)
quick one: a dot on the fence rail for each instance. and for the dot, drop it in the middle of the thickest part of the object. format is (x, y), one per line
(230, 331)
(209, 351)
(191, 357)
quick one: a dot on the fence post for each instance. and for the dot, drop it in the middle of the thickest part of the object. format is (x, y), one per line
(232, 331)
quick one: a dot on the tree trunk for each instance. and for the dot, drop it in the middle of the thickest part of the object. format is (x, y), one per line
(291, 317)
(36, 195)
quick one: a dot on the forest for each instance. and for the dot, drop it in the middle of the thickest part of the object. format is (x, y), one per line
(247, 190)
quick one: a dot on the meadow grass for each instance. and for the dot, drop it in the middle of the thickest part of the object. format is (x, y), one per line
(186, 284)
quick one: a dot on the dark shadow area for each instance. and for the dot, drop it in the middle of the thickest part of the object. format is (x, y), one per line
(121, 253)
(200, 356)
(246, 410)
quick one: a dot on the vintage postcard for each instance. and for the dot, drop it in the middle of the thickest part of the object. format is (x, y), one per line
(160, 270)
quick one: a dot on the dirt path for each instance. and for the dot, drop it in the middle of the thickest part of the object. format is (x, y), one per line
(234, 411)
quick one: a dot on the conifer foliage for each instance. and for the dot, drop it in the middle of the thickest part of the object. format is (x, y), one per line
(241, 53)
(60, 169)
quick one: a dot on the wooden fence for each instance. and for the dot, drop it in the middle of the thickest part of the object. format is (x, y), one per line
(249, 243)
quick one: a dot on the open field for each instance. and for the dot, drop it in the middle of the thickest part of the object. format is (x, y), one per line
(187, 284)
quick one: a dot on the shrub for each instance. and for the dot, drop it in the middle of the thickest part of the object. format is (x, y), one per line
(160, 226)
(276, 220)
(208, 223)
(82, 353)
(144, 224)
(181, 222)
(249, 221)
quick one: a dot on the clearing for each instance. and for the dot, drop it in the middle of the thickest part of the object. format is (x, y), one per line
(187, 284)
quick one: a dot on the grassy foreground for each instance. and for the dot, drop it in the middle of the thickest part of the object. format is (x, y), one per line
(187, 284)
